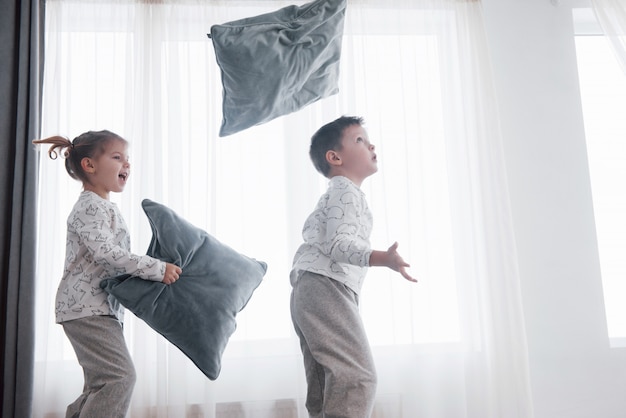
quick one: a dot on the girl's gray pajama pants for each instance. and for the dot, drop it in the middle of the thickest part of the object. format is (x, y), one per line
(340, 371)
(107, 366)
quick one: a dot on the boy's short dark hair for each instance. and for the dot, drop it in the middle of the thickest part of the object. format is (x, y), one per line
(327, 138)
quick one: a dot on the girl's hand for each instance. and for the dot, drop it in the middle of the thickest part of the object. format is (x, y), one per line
(172, 273)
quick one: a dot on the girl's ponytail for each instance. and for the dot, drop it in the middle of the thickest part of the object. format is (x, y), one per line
(87, 145)
(57, 142)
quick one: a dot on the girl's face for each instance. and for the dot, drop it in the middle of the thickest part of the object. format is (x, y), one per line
(109, 171)
(358, 159)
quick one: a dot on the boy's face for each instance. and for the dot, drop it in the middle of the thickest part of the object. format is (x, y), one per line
(357, 159)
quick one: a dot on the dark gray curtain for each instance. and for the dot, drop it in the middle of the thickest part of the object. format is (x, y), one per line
(21, 65)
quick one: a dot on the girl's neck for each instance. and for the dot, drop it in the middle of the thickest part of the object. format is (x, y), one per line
(90, 188)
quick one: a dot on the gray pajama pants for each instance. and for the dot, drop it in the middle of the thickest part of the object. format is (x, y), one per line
(107, 366)
(340, 371)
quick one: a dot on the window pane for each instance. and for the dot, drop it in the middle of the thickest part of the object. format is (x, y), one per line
(603, 92)
(163, 93)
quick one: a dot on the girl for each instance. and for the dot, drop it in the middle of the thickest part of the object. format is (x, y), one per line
(98, 246)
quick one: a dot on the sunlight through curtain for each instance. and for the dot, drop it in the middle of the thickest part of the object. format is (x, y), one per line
(418, 72)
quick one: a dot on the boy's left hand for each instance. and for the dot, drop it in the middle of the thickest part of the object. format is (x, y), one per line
(397, 263)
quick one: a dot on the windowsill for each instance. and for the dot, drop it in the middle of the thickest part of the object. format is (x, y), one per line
(617, 342)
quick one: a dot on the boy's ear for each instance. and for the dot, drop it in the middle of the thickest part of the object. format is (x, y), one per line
(333, 157)
(87, 165)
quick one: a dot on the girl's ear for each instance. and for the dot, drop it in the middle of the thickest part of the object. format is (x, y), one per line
(333, 157)
(87, 165)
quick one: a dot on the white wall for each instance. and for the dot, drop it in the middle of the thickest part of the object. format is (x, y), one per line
(574, 372)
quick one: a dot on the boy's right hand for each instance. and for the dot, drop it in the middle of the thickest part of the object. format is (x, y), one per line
(172, 273)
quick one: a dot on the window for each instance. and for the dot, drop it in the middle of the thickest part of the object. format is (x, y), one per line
(603, 92)
(147, 71)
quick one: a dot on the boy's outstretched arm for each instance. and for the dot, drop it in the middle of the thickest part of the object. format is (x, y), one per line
(391, 259)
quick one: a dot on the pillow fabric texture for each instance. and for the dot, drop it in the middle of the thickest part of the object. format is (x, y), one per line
(197, 313)
(276, 63)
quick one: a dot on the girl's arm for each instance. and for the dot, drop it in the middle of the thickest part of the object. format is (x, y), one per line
(94, 227)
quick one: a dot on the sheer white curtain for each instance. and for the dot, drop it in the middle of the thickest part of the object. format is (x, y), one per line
(612, 17)
(418, 72)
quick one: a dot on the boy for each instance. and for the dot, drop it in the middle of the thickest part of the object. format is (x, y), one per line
(328, 272)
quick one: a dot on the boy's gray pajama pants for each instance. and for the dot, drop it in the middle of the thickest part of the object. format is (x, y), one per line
(340, 371)
(107, 366)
